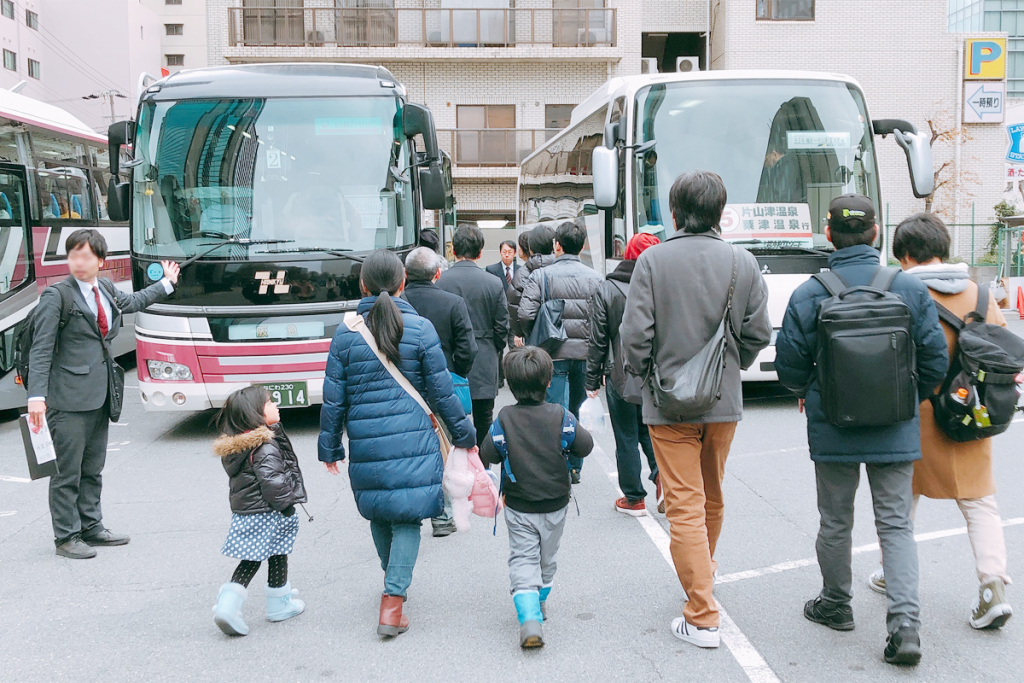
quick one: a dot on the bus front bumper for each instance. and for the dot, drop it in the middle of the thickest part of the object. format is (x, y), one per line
(193, 397)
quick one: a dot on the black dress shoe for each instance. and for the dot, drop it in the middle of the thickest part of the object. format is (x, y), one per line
(75, 550)
(105, 537)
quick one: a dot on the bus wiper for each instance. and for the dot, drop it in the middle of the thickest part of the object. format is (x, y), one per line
(343, 253)
(805, 250)
(244, 241)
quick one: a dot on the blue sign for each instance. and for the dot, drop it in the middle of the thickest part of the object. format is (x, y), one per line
(1015, 154)
(155, 271)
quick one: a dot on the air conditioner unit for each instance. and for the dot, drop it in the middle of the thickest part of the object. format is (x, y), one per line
(648, 65)
(685, 64)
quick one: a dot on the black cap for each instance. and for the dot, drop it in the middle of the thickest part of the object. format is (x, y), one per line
(851, 213)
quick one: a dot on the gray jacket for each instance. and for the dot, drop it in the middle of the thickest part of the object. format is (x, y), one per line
(488, 310)
(676, 301)
(515, 292)
(75, 378)
(567, 279)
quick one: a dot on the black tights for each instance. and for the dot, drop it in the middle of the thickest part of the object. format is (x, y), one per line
(277, 571)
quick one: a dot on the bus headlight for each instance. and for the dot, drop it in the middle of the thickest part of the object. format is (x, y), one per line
(164, 370)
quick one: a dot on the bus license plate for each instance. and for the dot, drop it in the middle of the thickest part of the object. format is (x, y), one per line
(288, 394)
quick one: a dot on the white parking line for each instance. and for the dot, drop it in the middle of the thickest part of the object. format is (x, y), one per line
(8, 513)
(858, 550)
(746, 655)
(16, 480)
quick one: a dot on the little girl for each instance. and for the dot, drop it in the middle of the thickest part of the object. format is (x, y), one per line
(265, 486)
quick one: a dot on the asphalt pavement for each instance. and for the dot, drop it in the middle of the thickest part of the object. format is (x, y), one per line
(144, 611)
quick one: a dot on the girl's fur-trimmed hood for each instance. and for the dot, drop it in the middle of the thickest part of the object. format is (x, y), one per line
(225, 445)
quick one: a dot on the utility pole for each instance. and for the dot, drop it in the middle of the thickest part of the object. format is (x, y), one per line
(108, 95)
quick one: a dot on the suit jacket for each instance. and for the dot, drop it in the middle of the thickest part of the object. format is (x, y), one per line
(498, 270)
(488, 309)
(450, 318)
(73, 377)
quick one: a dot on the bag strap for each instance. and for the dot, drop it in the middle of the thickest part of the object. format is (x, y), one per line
(949, 317)
(883, 278)
(568, 431)
(832, 281)
(982, 308)
(355, 322)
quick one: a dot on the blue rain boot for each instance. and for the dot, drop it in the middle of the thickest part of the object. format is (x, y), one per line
(531, 632)
(545, 591)
(227, 613)
(281, 603)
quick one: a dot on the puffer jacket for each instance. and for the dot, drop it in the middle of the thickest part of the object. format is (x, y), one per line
(604, 357)
(515, 292)
(263, 469)
(567, 279)
(796, 349)
(396, 464)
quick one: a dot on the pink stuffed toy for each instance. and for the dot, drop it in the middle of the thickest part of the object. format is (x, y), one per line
(471, 487)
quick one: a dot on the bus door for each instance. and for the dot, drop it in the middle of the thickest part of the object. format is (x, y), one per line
(18, 294)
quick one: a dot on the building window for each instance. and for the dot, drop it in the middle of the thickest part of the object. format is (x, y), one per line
(8, 8)
(31, 19)
(786, 10)
(557, 115)
(175, 60)
(965, 15)
(33, 69)
(10, 60)
(172, 2)
(486, 135)
(174, 29)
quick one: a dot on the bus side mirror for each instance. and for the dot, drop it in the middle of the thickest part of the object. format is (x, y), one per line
(918, 149)
(417, 120)
(606, 177)
(432, 187)
(117, 199)
(118, 134)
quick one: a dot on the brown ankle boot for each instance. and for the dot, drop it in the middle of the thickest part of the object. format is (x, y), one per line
(392, 622)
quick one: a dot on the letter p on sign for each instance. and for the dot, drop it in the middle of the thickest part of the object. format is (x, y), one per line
(985, 59)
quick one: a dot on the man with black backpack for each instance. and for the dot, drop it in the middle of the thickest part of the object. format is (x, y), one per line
(861, 346)
(74, 382)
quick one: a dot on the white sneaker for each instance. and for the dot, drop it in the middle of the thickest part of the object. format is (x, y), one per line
(701, 637)
(876, 581)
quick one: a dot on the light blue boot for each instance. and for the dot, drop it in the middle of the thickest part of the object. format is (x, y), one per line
(227, 613)
(545, 591)
(281, 603)
(531, 632)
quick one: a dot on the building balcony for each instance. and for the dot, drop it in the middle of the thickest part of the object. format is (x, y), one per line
(421, 33)
(501, 149)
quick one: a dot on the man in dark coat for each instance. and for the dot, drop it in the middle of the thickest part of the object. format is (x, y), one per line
(505, 269)
(541, 241)
(69, 381)
(488, 310)
(888, 452)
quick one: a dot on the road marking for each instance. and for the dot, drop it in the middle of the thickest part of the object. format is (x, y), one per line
(8, 513)
(16, 480)
(859, 550)
(111, 450)
(742, 650)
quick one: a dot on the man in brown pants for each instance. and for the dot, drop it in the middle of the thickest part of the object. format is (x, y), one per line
(677, 300)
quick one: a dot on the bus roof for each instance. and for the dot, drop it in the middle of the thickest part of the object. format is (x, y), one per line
(36, 113)
(318, 79)
(615, 87)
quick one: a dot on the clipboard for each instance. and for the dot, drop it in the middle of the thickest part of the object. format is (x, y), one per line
(39, 450)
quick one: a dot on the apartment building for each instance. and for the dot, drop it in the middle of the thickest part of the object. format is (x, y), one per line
(84, 57)
(182, 33)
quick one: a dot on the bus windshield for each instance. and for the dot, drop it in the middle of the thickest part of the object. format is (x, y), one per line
(319, 173)
(785, 149)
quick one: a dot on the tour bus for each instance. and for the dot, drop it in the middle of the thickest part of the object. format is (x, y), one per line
(785, 143)
(54, 167)
(269, 184)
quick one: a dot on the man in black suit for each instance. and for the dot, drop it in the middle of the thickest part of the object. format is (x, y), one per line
(488, 309)
(506, 269)
(448, 314)
(69, 383)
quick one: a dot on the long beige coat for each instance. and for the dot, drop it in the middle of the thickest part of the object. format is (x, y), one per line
(949, 469)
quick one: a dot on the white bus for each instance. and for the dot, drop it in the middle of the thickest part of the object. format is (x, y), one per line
(785, 143)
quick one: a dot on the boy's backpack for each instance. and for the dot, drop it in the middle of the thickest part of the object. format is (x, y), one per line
(978, 398)
(498, 437)
(25, 335)
(866, 357)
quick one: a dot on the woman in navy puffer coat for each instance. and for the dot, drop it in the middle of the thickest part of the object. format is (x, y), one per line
(396, 464)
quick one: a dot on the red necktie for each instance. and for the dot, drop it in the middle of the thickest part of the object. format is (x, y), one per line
(101, 315)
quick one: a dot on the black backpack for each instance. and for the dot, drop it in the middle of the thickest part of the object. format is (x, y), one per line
(979, 395)
(24, 337)
(866, 357)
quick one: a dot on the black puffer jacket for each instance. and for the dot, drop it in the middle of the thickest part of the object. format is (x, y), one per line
(515, 292)
(264, 470)
(604, 357)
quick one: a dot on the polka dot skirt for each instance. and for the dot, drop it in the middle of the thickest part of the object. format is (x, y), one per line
(257, 537)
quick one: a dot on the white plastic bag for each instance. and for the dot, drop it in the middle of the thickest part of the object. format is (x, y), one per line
(592, 415)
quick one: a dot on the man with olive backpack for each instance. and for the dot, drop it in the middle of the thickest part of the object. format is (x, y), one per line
(861, 346)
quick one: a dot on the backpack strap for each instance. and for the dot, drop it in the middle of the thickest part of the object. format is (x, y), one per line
(949, 317)
(831, 281)
(981, 310)
(67, 301)
(501, 445)
(883, 278)
(568, 431)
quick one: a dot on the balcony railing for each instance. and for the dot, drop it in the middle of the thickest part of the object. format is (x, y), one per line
(492, 147)
(377, 27)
